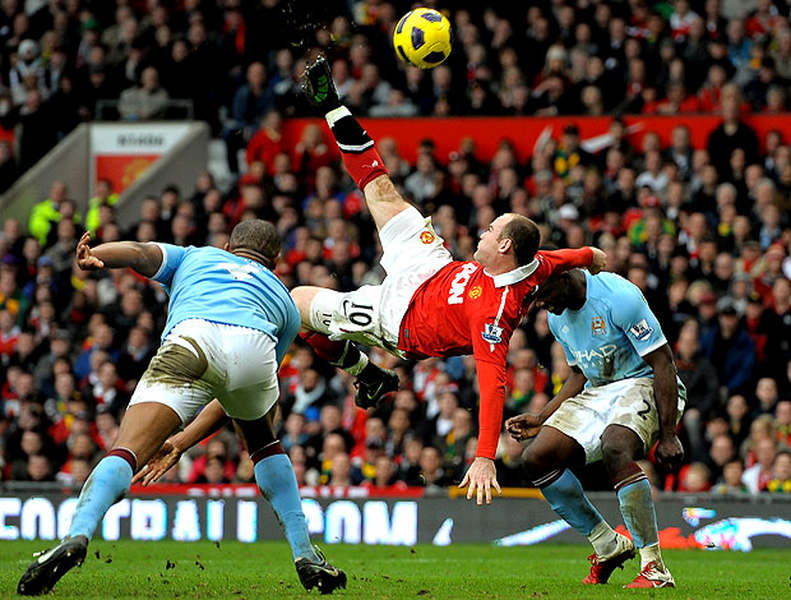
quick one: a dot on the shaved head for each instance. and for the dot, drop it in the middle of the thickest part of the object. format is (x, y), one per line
(256, 236)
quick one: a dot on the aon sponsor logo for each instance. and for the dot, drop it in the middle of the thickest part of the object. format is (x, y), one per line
(459, 283)
(601, 353)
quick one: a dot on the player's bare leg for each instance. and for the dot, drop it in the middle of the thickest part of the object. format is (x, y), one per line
(275, 478)
(621, 447)
(383, 200)
(547, 459)
(360, 157)
(144, 428)
(372, 381)
(367, 168)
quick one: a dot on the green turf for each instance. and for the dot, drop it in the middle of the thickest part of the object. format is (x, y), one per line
(264, 570)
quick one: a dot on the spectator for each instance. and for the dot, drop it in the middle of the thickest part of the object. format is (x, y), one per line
(780, 481)
(700, 379)
(267, 142)
(431, 472)
(250, 102)
(510, 466)
(146, 101)
(216, 450)
(729, 348)
(47, 212)
(731, 481)
(758, 476)
(730, 135)
(39, 469)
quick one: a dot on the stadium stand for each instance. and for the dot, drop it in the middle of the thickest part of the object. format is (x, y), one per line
(702, 226)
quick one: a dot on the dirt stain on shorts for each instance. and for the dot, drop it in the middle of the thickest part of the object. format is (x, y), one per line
(176, 366)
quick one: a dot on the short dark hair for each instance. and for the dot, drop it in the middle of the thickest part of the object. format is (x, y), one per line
(525, 237)
(259, 236)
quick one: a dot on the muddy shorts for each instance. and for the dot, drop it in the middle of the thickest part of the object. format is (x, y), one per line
(629, 402)
(200, 360)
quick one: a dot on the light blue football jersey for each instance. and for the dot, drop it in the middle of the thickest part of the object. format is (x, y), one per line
(215, 285)
(607, 338)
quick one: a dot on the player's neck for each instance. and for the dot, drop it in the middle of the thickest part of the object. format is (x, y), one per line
(578, 291)
(500, 265)
(252, 255)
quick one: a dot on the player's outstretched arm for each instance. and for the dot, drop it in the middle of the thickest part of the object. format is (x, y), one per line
(209, 420)
(669, 452)
(526, 426)
(357, 148)
(143, 258)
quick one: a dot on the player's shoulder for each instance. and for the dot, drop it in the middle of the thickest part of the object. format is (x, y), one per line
(610, 286)
(616, 294)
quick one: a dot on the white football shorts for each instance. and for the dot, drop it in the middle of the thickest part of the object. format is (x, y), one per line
(200, 360)
(629, 402)
(372, 314)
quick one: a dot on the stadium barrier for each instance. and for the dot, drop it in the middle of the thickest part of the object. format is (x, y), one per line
(137, 158)
(524, 132)
(360, 515)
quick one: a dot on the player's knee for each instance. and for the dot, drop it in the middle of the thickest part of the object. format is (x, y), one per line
(536, 460)
(617, 452)
(614, 457)
(302, 296)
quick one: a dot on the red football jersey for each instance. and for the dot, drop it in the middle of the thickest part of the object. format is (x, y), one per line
(464, 310)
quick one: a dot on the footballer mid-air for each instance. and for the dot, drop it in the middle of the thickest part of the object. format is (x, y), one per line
(428, 304)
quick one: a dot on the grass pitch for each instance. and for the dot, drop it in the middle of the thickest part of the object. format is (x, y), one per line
(264, 570)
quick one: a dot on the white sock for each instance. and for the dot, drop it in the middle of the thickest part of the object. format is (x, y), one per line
(649, 554)
(603, 539)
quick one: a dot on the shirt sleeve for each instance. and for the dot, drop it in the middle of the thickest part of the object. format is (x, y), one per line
(492, 383)
(634, 317)
(491, 331)
(171, 259)
(550, 261)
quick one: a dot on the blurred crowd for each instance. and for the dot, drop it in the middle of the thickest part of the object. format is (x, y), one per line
(704, 232)
(233, 61)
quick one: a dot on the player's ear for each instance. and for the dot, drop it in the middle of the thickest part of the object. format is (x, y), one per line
(227, 246)
(505, 245)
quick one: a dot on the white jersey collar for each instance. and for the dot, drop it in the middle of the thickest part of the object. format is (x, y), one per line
(515, 276)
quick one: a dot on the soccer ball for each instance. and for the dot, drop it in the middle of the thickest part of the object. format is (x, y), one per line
(422, 38)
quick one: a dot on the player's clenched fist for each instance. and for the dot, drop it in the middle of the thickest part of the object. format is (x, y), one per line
(523, 427)
(599, 261)
(85, 259)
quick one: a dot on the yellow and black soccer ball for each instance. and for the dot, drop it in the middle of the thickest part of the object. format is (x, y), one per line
(422, 38)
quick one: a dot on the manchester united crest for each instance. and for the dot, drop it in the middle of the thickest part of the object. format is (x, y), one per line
(427, 237)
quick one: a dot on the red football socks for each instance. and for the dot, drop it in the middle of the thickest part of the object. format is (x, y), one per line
(360, 157)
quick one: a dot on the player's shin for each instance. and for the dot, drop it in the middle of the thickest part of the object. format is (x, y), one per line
(107, 484)
(564, 493)
(357, 148)
(639, 514)
(278, 484)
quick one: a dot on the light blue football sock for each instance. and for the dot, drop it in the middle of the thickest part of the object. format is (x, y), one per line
(275, 478)
(566, 498)
(639, 514)
(106, 485)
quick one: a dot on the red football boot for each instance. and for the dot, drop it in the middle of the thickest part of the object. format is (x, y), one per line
(653, 575)
(602, 567)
